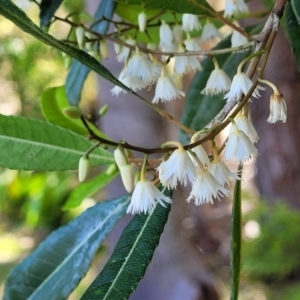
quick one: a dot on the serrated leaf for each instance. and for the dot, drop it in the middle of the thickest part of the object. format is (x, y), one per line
(55, 268)
(131, 256)
(293, 30)
(10, 11)
(79, 72)
(53, 101)
(173, 5)
(200, 109)
(236, 238)
(47, 10)
(89, 188)
(28, 144)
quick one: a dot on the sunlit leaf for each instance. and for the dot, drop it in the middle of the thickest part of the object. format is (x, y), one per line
(53, 101)
(89, 188)
(131, 256)
(55, 268)
(29, 144)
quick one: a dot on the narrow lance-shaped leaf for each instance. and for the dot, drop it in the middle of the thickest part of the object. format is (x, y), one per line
(47, 10)
(55, 268)
(10, 11)
(293, 29)
(236, 239)
(28, 144)
(79, 72)
(131, 257)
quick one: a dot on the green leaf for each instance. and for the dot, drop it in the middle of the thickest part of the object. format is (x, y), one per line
(55, 268)
(182, 6)
(236, 239)
(293, 30)
(296, 9)
(47, 10)
(200, 109)
(10, 11)
(53, 101)
(131, 257)
(29, 144)
(89, 188)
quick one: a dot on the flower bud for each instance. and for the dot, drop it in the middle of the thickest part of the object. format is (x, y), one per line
(103, 110)
(80, 36)
(104, 51)
(128, 178)
(84, 168)
(120, 157)
(72, 112)
(142, 20)
(68, 62)
(111, 169)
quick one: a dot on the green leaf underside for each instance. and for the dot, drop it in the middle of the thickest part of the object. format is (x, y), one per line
(28, 144)
(131, 256)
(236, 239)
(55, 268)
(10, 11)
(47, 10)
(183, 6)
(293, 29)
(200, 109)
(53, 101)
(89, 188)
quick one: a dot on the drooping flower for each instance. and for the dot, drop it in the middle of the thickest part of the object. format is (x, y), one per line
(218, 82)
(278, 109)
(206, 188)
(190, 22)
(237, 39)
(124, 52)
(239, 147)
(177, 33)
(202, 156)
(145, 196)
(184, 64)
(178, 167)
(244, 124)
(191, 44)
(166, 90)
(235, 7)
(210, 33)
(221, 172)
(241, 84)
(166, 38)
(142, 21)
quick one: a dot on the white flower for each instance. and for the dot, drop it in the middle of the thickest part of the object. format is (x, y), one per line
(166, 89)
(210, 32)
(177, 33)
(184, 64)
(165, 35)
(178, 167)
(145, 196)
(241, 84)
(128, 177)
(278, 109)
(239, 147)
(206, 188)
(237, 39)
(202, 156)
(190, 22)
(80, 36)
(218, 82)
(244, 124)
(139, 66)
(234, 7)
(191, 45)
(134, 84)
(142, 21)
(123, 54)
(221, 172)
